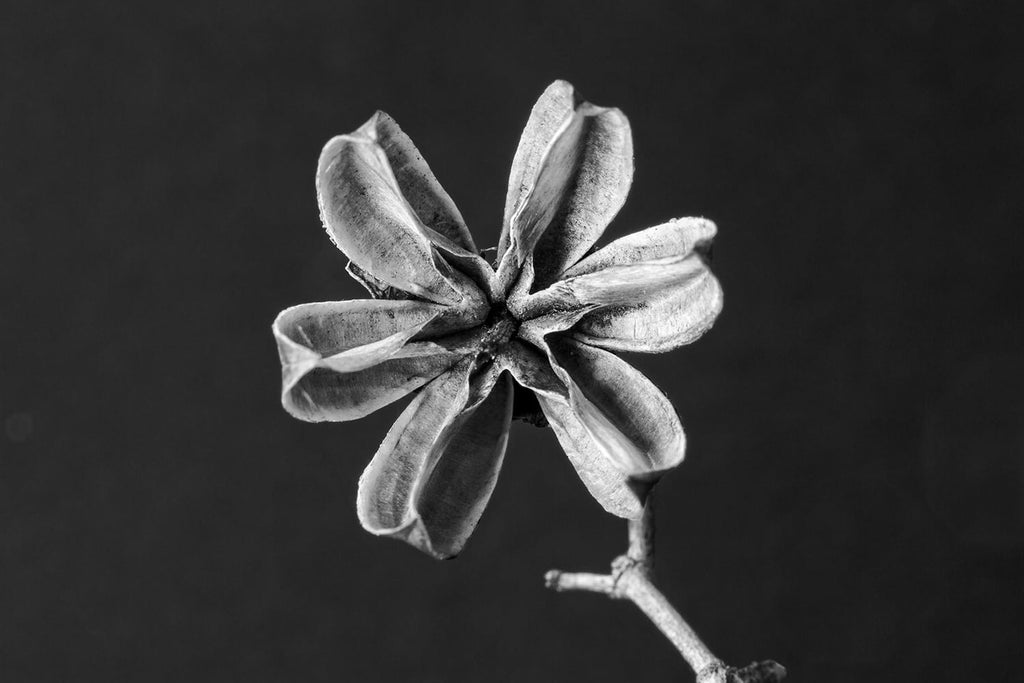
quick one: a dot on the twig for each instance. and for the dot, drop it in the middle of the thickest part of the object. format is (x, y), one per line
(632, 578)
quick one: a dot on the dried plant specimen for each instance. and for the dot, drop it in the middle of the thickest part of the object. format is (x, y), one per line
(546, 320)
(533, 334)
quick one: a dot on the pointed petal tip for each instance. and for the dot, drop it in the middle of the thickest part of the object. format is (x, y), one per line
(376, 119)
(705, 231)
(710, 227)
(371, 130)
(330, 150)
(564, 88)
(559, 84)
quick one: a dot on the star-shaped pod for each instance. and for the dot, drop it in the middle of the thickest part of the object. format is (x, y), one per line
(464, 336)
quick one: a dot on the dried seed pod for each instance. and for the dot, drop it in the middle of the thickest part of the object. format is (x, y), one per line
(472, 338)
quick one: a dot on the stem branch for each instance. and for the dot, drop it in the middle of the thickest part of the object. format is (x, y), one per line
(632, 578)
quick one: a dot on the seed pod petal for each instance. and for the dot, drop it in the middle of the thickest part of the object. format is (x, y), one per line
(613, 488)
(677, 238)
(343, 360)
(570, 176)
(648, 292)
(428, 199)
(623, 413)
(669, 317)
(432, 476)
(372, 210)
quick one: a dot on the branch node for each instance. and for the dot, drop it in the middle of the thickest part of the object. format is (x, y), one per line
(623, 567)
(632, 578)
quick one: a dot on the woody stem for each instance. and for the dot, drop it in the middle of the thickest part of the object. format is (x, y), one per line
(632, 578)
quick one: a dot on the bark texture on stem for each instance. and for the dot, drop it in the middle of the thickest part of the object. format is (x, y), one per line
(632, 578)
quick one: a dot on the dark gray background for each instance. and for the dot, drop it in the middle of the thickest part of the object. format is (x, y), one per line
(852, 500)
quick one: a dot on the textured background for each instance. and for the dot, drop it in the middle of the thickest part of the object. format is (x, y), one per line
(853, 500)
